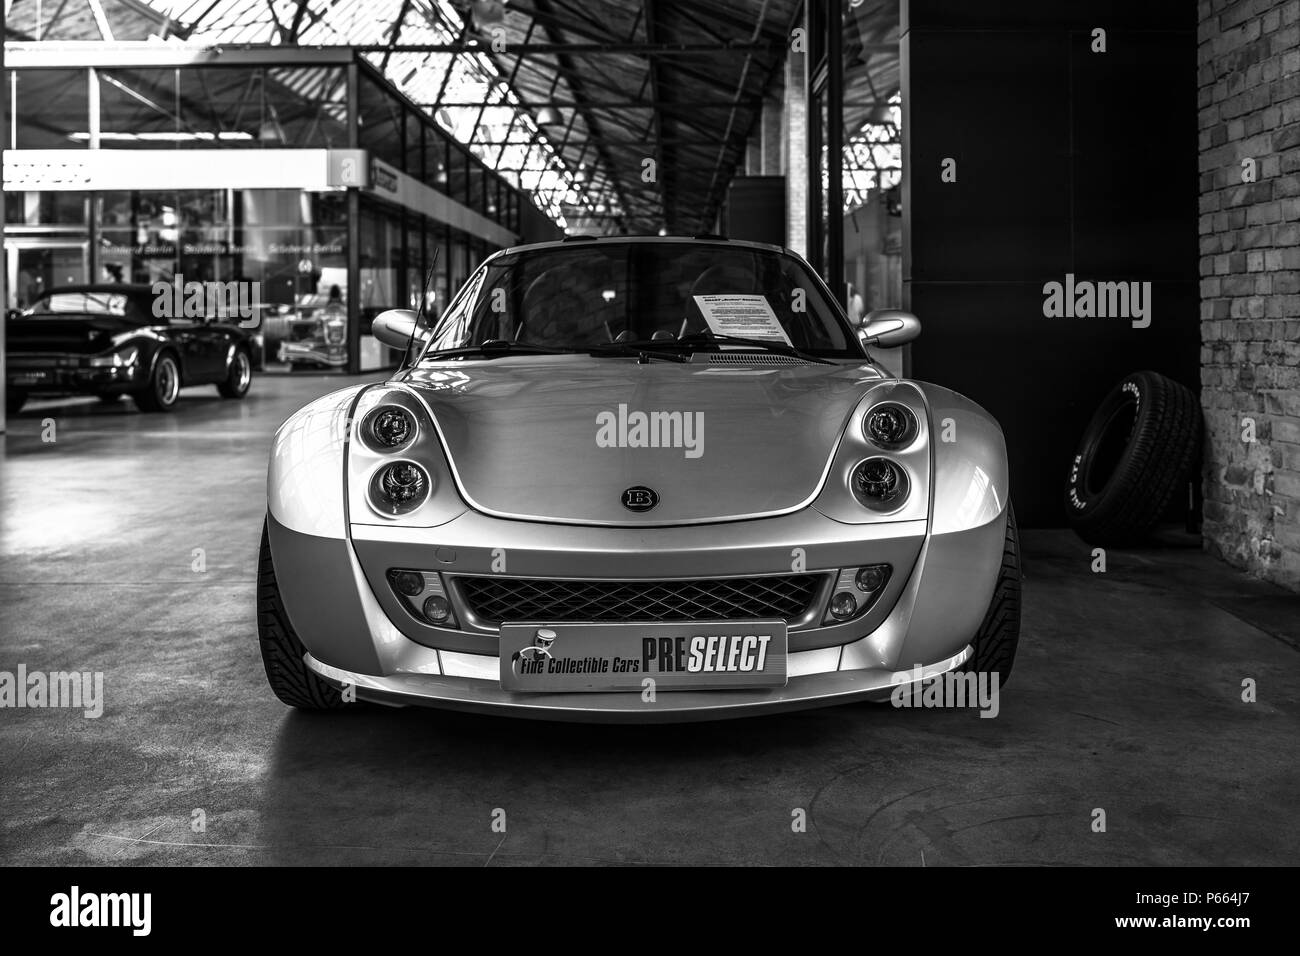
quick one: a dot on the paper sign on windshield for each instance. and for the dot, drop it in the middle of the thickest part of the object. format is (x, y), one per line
(747, 316)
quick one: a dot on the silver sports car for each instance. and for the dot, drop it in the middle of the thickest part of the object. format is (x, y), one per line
(636, 479)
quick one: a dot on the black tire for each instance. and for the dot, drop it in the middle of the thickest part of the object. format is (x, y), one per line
(999, 635)
(161, 393)
(282, 652)
(1135, 456)
(14, 401)
(239, 375)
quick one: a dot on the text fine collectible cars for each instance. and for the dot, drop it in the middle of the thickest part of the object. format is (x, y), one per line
(636, 479)
(114, 340)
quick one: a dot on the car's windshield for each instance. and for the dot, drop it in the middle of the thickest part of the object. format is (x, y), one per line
(593, 293)
(92, 302)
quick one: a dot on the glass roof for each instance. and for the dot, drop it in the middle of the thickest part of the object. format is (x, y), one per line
(504, 136)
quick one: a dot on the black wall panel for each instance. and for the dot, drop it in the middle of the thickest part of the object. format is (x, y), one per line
(1068, 161)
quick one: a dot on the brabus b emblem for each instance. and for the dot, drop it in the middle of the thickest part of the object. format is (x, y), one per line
(640, 498)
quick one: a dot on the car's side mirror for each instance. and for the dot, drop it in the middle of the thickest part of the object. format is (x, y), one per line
(888, 328)
(394, 327)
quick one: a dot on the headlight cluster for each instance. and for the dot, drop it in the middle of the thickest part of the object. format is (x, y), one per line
(396, 487)
(880, 483)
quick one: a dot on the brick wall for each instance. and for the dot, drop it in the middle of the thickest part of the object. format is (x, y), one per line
(1249, 102)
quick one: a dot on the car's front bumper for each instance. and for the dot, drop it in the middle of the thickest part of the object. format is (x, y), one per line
(824, 685)
(295, 352)
(358, 633)
(56, 372)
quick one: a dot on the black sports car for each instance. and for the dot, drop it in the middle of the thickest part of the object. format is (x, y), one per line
(106, 340)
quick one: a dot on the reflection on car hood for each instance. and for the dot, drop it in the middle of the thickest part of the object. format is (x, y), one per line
(562, 439)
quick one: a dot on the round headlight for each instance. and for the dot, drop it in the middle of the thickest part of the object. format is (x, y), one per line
(879, 484)
(400, 488)
(390, 427)
(890, 425)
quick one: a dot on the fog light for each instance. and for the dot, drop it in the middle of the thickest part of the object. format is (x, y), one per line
(436, 609)
(410, 583)
(871, 579)
(843, 606)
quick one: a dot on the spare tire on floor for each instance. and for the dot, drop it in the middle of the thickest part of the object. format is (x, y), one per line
(1135, 456)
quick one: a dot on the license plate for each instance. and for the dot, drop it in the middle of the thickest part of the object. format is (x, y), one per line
(705, 655)
(30, 378)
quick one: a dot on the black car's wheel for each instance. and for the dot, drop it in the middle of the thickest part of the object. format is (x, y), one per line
(282, 653)
(14, 401)
(239, 375)
(164, 385)
(999, 634)
(1136, 452)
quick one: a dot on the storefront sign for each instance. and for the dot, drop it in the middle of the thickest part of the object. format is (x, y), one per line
(383, 176)
(315, 170)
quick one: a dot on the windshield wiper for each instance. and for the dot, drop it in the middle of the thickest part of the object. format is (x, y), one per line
(765, 345)
(495, 348)
(643, 349)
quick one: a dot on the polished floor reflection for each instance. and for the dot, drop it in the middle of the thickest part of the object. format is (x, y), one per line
(128, 547)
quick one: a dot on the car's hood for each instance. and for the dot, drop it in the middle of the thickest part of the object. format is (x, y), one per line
(559, 439)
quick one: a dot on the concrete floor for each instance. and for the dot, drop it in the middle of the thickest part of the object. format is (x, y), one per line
(1126, 697)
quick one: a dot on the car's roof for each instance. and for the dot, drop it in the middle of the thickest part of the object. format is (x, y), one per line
(711, 240)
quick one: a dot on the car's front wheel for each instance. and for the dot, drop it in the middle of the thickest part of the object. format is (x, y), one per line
(239, 375)
(282, 653)
(14, 401)
(164, 386)
(999, 635)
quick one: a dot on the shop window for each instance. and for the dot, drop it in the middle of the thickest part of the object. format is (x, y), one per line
(458, 174)
(45, 209)
(381, 123)
(436, 157)
(305, 107)
(49, 109)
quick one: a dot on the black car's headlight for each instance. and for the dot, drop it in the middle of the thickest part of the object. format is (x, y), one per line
(122, 358)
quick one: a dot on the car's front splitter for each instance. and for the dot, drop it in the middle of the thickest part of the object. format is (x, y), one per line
(485, 696)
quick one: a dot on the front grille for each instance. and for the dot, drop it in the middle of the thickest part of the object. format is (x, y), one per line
(493, 600)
